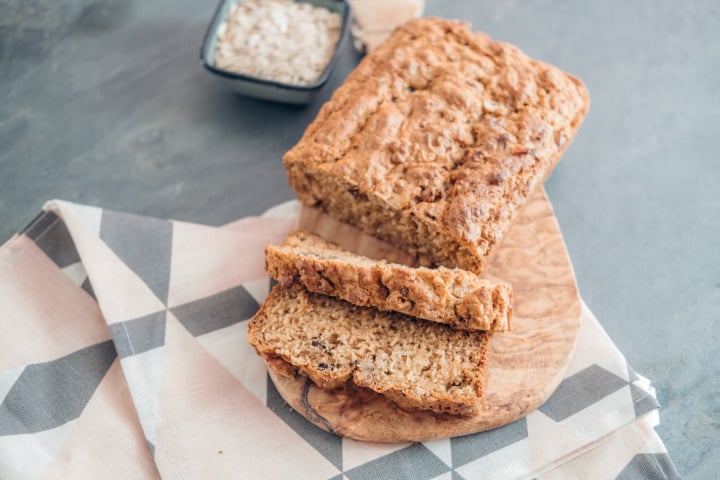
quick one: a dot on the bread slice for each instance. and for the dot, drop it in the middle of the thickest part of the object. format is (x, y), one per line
(456, 297)
(419, 365)
(436, 140)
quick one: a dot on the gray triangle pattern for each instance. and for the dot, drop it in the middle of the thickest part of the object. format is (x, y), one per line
(87, 286)
(649, 465)
(139, 335)
(469, 448)
(216, 311)
(643, 402)
(415, 462)
(50, 234)
(581, 390)
(457, 476)
(47, 395)
(327, 444)
(144, 244)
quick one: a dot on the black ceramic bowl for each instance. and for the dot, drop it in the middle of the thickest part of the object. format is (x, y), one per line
(269, 89)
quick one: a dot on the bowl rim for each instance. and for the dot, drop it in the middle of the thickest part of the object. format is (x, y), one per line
(214, 25)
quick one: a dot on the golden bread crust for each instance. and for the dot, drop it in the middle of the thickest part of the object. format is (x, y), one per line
(436, 140)
(455, 297)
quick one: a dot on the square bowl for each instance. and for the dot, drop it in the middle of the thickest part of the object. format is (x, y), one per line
(269, 89)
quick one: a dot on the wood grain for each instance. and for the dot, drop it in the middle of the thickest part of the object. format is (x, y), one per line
(525, 365)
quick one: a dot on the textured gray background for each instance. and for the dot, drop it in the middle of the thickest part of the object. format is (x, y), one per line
(104, 102)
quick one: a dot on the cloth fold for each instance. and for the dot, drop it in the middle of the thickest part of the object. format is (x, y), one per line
(123, 354)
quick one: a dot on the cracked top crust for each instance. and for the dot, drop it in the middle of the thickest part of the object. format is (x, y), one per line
(448, 126)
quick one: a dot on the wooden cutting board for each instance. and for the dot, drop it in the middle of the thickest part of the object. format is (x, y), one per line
(524, 367)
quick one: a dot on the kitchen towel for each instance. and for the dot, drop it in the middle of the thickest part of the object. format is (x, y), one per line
(123, 354)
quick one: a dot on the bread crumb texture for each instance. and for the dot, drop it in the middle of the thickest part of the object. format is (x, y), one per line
(417, 364)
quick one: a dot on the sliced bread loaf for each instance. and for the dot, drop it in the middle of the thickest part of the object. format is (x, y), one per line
(417, 364)
(456, 297)
(436, 141)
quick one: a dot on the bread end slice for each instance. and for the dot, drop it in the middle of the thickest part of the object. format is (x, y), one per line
(455, 297)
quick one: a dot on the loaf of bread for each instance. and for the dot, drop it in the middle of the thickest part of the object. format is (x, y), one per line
(435, 141)
(453, 296)
(419, 365)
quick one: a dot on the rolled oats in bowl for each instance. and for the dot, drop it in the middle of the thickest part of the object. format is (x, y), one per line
(280, 40)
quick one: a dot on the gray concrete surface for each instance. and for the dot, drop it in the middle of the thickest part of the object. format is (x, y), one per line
(104, 102)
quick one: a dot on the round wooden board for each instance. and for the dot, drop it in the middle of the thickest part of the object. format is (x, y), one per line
(524, 366)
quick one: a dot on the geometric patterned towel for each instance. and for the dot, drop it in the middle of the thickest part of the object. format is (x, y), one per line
(123, 354)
